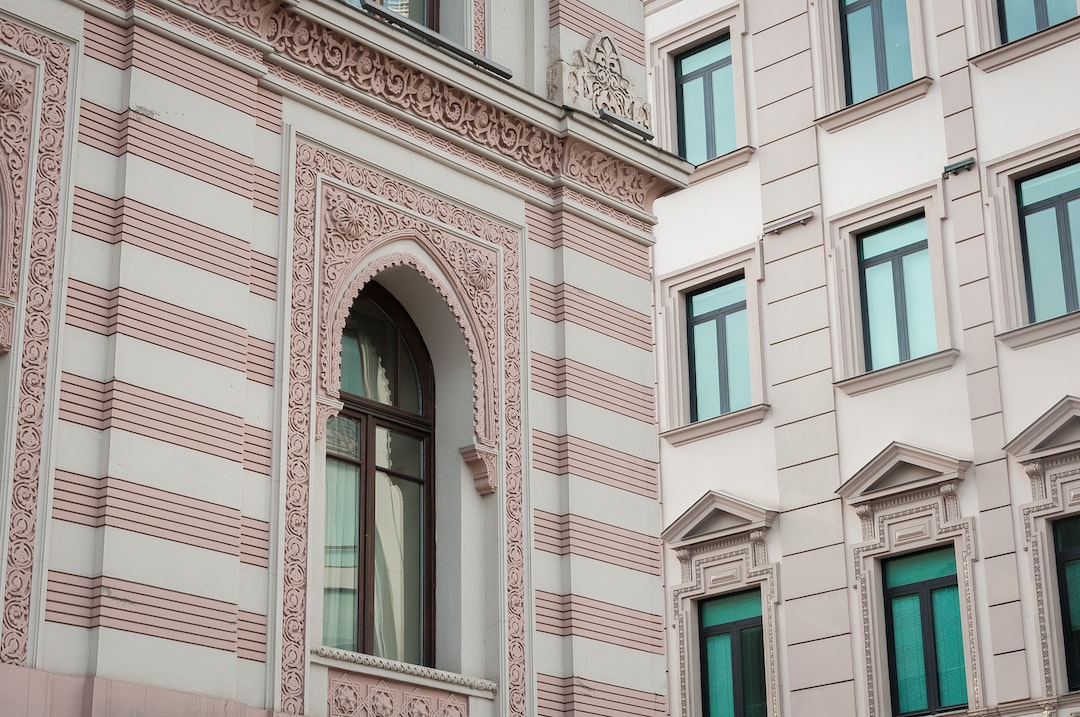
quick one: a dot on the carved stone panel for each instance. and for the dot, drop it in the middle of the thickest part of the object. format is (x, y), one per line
(594, 80)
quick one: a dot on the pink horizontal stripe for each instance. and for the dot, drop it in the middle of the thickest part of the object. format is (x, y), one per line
(266, 186)
(568, 454)
(255, 542)
(563, 302)
(588, 21)
(258, 449)
(268, 110)
(106, 42)
(566, 230)
(251, 636)
(574, 615)
(564, 377)
(260, 361)
(263, 275)
(575, 535)
(558, 696)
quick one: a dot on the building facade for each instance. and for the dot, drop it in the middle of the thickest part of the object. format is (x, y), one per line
(327, 359)
(866, 328)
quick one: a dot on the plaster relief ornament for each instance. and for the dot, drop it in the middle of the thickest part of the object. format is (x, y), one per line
(594, 80)
(14, 89)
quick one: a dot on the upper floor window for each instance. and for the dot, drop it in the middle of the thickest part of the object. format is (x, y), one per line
(424, 12)
(1019, 18)
(719, 352)
(924, 633)
(1049, 209)
(897, 294)
(876, 47)
(732, 656)
(705, 101)
(378, 564)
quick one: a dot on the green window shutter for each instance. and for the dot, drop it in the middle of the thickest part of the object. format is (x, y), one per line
(949, 647)
(721, 689)
(908, 655)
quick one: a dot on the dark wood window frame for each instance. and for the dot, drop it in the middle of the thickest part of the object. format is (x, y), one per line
(1059, 203)
(1063, 558)
(708, 85)
(716, 316)
(735, 630)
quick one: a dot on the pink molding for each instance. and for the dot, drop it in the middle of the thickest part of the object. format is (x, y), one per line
(354, 695)
(51, 109)
(480, 26)
(17, 80)
(482, 462)
(7, 327)
(311, 164)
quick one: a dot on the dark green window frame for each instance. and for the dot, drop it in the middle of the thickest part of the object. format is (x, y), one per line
(1067, 552)
(1018, 19)
(731, 350)
(924, 633)
(880, 26)
(1035, 201)
(715, 96)
(732, 656)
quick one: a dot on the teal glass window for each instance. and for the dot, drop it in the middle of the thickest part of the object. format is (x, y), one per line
(1020, 18)
(732, 656)
(705, 101)
(897, 294)
(1049, 208)
(1067, 550)
(378, 570)
(924, 633)
(719, 349)
(875, 46)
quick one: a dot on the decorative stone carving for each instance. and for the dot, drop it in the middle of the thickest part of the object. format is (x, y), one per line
(353, 695)
(14, 88)
(482, 463)
(51, 110)
(325, 409)
(594, 80)
(7, 327)
(611, 176)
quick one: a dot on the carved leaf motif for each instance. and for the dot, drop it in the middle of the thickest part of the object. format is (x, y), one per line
(14, 88)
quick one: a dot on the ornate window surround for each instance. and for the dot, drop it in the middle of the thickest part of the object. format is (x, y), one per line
(906, 499)
(1049, 452)
(720, 542)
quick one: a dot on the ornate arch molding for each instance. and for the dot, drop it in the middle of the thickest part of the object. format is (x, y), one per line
(332, 256)
(1049, 451)
(906, 498)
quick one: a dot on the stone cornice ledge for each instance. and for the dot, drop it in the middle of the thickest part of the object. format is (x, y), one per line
(906, 371)
(867, 109)
(1025, 47)
(715, 426)
(393, 670)
(1041, 332)
(724, 163)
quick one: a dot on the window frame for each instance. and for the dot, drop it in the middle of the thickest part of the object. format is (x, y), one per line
(1068, 267)
(1072, 654)
(709, 87)
(881, 65)
(993, 53)
(372, 414)
(673, 349)
(846, 290)
(1042, 21)
(663, 51)
(717, 317)
(734, 629)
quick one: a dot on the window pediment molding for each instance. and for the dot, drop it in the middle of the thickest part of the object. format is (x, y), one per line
(1054, 433)
(902, 470)
(716, 516)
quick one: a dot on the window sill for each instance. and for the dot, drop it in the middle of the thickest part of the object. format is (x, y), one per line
(715, 426)
(879, 104)
(724, 163)
(1041, 332)
(892, 375)
(382, 668)
(1025, 47)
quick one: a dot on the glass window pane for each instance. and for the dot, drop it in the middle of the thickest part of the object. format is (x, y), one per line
(908, 654)
(399, 452)
(705, 367)
(1051, 184)
(730, 608)
(398, 591)
(919, 567)
(1067, 534)
(343, 437)
(881, 316)
(1072, 584)
(1060, 10)
(341, 564)
(919, 303)
(862, 66)
(1072, 213)
(692, 120)
(695, 60)
(897, 44)
(738, 360)
(949, 647)
(894, 236)
(752, 668)
(1019, 18)
(375, 374)
(721, 689)
(723, 93)
(415, 10)
(1044, 270)
(717, 297)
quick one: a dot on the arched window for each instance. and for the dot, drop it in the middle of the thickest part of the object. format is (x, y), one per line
(379, 572)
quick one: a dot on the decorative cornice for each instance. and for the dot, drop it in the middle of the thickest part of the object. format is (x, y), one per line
(427, 673)
(482, 462)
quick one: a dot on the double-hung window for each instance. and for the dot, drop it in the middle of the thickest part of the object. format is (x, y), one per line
(1049, 209)
(924, 633)
(719, 351)
(732, 656)
(1067, 550)
(1019, 18)
(705, 101)
(897, 294)
(876, 47)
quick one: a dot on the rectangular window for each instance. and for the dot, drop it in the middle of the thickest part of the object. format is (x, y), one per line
(1020, 18)
(1067, 549)
(732, 656)
(1049, 208)
(924, 633)
(875, 45)
(705, 101)
(719, 351)
(897, 294)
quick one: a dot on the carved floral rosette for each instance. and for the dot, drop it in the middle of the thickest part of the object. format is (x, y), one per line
(34, 72)
(360, 696)
(353, 211)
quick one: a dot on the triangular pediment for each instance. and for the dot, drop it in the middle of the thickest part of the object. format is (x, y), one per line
(716, 515)
(1056, 431)
(901, 468)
